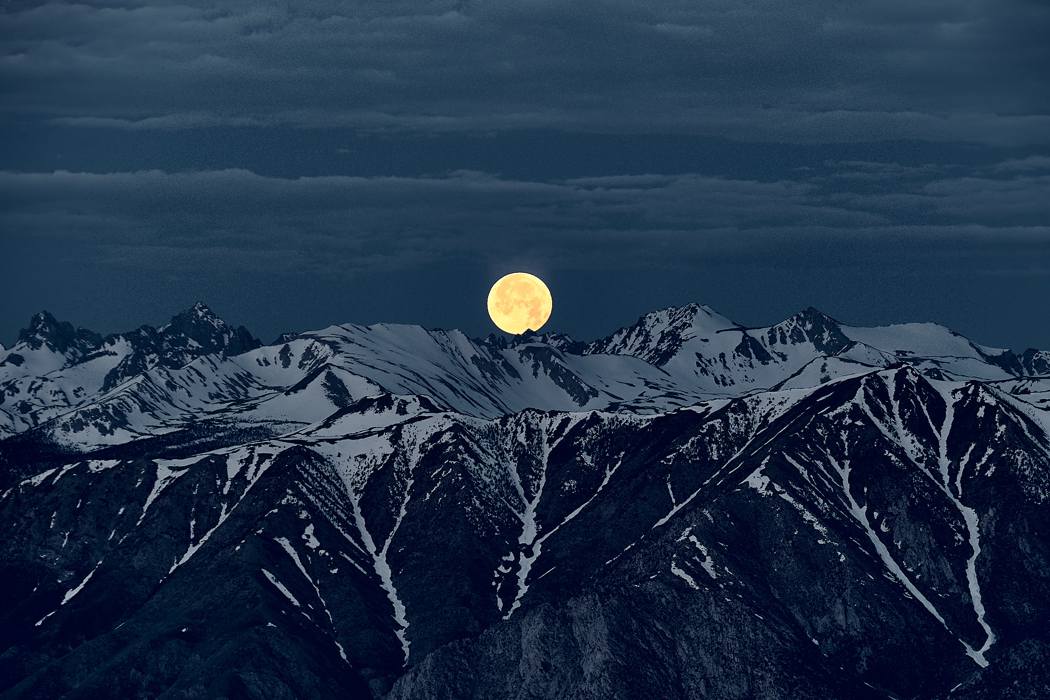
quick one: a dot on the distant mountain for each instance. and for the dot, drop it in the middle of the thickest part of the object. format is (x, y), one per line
(54, 367)
(686, 508)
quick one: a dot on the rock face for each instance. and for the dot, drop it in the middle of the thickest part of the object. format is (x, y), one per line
(687, 508)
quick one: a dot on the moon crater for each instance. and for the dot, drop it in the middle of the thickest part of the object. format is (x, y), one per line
(519, 302)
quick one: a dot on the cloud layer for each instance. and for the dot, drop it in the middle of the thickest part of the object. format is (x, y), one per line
(883, 160)
(621, 220)
(808, 71)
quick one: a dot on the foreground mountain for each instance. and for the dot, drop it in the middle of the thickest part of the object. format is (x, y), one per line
(687, 508)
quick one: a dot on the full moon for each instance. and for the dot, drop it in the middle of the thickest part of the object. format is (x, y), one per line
(519, 302)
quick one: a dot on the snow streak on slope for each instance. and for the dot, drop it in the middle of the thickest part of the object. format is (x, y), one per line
(384, 431)
(237, 463)
(290, 550)
(282, 588)
(530, 543)
(167, 472)
(860, 514)
(382, 565)
(528, 546)
(972, 528)
(71, 593)
(968, 515)
(356, 460)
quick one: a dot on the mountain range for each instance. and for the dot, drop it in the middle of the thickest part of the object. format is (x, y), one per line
(685, 508)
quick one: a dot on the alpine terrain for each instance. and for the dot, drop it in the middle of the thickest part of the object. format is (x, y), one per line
(687, 508)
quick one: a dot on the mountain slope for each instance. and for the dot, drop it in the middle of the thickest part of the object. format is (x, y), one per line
(151, 382)
(387, 511)
(54, 367)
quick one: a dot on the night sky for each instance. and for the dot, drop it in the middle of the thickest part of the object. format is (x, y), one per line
(300, 164)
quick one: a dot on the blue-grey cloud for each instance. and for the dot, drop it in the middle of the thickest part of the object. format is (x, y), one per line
(808, 71)
(885, 160)
(352, 223)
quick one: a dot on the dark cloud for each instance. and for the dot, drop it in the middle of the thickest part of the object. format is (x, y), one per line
(808, 71)
(342, 224)
(314, 162)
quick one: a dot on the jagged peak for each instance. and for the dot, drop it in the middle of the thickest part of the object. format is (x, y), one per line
(691, 313)
(45, 329)
(199, 312)
(658, 335)
(202, 325)
(43, 322)
(813, 325)
(41, 317)
(813, 314)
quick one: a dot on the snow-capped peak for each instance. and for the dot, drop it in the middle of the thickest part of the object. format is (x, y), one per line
(61, 336)
(203, 326)
(814, 326)
(657, 336)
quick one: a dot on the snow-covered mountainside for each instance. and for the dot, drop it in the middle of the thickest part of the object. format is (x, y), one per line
(686, 508)
(54, 367)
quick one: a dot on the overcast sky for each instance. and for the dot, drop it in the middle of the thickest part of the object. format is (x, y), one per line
(301, 164)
